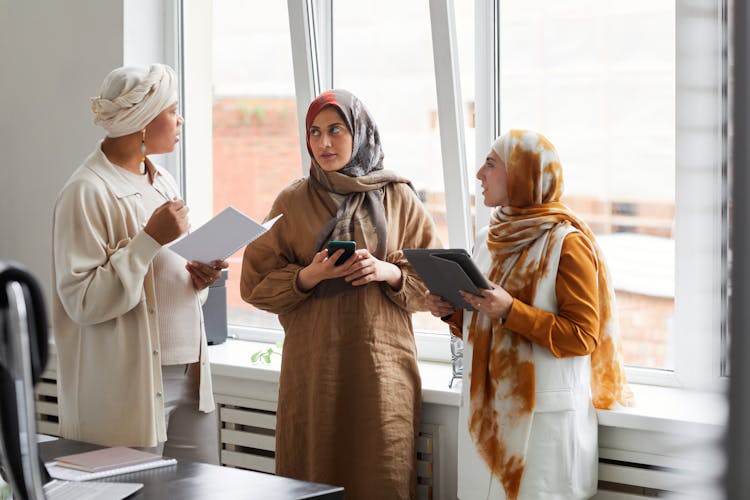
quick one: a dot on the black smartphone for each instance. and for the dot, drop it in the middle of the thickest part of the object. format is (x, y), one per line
(348, 246)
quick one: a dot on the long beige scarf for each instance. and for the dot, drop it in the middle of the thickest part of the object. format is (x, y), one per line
(362, 210)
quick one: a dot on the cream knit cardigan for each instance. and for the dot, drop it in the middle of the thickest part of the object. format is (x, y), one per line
(104, 311)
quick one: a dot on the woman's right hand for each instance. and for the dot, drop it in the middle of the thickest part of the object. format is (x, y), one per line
(168, 222)
(438, 306)
(322, 268)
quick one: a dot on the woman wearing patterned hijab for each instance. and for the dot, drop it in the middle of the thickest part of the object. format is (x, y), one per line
(542, 349)
(349, 390)
(127, 316)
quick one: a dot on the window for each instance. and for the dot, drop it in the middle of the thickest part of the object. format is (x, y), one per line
(255, 127)
(598, 79)
(622, 89)
(394, 77)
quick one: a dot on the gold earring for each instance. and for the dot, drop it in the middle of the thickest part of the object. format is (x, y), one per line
(143, 152)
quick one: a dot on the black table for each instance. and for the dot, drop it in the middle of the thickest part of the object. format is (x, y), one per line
(201, 481)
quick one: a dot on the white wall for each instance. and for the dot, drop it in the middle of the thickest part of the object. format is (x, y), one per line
(54, 56)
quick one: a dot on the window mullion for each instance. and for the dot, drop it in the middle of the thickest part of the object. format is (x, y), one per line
(195, 69)
(698, 198)
(324, 37)
(487, 89)
(305, 61)
(450, 118)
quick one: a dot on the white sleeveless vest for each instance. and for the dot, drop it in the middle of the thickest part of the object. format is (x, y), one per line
(562, 455)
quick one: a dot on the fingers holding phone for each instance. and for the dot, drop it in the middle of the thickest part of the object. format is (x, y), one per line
(325, 264)
(341, 251)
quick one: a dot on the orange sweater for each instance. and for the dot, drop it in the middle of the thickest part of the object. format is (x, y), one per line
(573, 330)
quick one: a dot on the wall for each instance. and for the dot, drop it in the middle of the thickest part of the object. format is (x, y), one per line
(54, 54)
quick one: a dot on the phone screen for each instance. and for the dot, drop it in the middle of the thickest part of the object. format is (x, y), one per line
(348, 246)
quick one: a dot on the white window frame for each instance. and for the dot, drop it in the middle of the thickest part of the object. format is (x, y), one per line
(699, 219)
(700, 157)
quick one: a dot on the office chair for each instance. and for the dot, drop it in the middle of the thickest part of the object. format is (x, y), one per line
(23, 357)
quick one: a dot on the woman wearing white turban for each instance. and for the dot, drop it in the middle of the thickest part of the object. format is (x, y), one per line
(128, 325)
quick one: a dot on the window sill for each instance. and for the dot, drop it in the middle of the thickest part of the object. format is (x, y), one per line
(658, 409)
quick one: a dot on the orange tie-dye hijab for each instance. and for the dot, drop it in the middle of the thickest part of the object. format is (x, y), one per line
(520, 240)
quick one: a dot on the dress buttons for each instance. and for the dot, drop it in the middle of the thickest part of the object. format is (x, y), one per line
(158, 394)
(151, 310)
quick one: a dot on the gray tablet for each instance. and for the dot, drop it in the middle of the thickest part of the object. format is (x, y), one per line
(446, 271)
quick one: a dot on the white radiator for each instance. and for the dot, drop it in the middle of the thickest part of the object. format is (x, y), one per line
(664, 465)
(247, 433)
(428, 462)
(248, 441)
(45, 394)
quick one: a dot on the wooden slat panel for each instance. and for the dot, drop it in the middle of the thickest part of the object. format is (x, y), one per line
(248, 439)
(223, 399)
(647, 478)
(424, 492)
(46, 389)
(424, 469)
(247, 461)
(424, 444)
(46, 408)
(616, 495)
(46, 427)
(248, 417)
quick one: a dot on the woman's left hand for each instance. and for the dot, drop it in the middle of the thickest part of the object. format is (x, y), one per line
(369, 268)
(493, 303)
(204, 275)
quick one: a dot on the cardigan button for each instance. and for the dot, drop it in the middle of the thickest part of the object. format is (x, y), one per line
(158, 394)
(156, 353)
(151, 310)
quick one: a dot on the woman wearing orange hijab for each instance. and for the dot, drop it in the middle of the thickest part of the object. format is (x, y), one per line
(542, 348)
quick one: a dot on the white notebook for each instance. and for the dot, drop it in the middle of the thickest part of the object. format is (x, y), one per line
(221, 236)
(68, 474)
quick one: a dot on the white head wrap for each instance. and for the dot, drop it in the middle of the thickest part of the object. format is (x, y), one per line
(130, 97)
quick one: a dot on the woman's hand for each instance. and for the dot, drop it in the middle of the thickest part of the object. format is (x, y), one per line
(493, 303)
(204, 275)
(368, 268)
(168, 222)
(322, 268)
(438, 306)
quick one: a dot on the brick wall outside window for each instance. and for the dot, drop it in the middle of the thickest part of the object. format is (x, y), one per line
(256, 153)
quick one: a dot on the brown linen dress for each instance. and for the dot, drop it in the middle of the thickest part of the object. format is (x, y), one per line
(349, 391)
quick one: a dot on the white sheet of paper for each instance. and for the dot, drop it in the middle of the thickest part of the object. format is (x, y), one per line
(221, 236)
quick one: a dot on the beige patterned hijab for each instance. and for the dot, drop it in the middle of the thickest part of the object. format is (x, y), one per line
(502, 377)
(361, 180)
